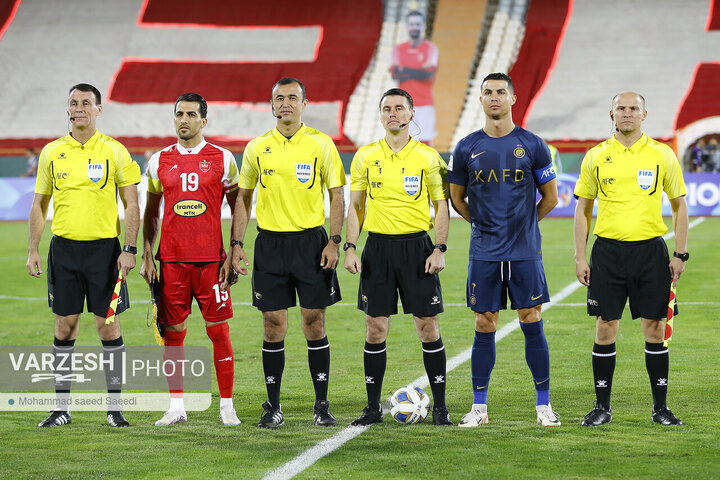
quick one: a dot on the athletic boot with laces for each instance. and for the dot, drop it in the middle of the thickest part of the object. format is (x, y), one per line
(599, 415)
(369, 416)
(272, 418)
(322, 415)
(57, 418)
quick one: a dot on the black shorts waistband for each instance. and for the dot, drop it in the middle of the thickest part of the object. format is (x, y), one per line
(69, 241)
(402, 236)
(622, 243)
(289, 234)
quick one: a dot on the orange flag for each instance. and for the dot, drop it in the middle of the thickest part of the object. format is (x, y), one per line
(670, 315)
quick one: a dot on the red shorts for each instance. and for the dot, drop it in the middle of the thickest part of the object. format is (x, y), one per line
(180, 282)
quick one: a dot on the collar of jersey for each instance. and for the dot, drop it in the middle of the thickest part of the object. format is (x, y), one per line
(194, 150)
(91, 141)
(635, 146)
(402, 154)
(295, 139)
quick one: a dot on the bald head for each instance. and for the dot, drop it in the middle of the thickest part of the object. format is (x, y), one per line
(628, 97)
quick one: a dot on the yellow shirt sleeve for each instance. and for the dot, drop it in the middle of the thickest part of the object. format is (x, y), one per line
(673, 182)
(127, 171)
(332, 168)
(248, 170)
(358, 179)
(437, 179)
(586, 185)
(43, 181)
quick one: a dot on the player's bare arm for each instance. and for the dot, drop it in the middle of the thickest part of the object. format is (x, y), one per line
(151, 227)
(38, 213)
(458, 198)
(240, 218)
(355, 219)
(331, 252)
(581, 229)
(548, 198)
(129, 197)
(436, 261)
(680, 227)
(228, 276)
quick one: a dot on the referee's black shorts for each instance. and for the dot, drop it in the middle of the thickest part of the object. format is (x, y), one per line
(396, 263)
(636, 270)
(84, 269)
(286, 262)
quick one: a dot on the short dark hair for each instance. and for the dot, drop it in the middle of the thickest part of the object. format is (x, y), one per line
(193, 97)
(399, 92)
(413, 13)
(86, 87)
(291, 80)
(500, 76)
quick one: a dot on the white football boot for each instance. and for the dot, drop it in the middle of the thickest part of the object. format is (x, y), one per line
(172, 417)
(546, 416)
(475, 417)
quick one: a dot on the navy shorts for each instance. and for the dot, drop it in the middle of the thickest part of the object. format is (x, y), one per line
(79, 270)
(396, 263)
(490, 283)
(289, 262)
(636, 270)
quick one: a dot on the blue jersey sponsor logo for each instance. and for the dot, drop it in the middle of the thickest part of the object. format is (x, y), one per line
(506, 175)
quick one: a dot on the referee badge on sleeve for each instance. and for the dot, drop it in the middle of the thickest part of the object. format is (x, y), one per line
(645, 178)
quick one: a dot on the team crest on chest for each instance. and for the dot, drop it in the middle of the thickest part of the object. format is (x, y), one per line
(519, 151)
(645, 178)
(204, 166)
(303, 172)
(411, 184)
(95, 171)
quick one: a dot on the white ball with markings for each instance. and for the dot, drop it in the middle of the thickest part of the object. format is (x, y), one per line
(410, 404)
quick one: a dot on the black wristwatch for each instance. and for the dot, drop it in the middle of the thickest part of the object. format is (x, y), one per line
(237, 242)
(442, 247)
(130, 249)
(682, 256)
(336, 238)
(349, 245)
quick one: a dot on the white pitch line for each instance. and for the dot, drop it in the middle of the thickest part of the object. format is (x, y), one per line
(301, 462)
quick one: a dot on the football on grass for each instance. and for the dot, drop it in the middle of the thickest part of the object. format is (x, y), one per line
(409, 404)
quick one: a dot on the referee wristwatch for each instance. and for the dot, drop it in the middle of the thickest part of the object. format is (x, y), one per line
(130, 249)
(349, 245)
(682, 256)
(336, 238)
(237, 242)
(441, 246)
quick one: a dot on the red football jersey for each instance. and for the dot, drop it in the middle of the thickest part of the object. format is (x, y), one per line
(193, 183)
(422, 57)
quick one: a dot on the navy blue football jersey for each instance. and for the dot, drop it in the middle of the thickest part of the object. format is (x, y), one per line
(502, 176)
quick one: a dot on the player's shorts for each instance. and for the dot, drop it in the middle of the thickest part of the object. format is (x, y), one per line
(489, 284)
(396, 263)
(181, 282)
(84, 269)
(422, 126)
(289, 262)
(635, 270)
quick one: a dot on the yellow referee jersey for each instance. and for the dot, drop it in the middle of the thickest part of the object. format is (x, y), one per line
(290, 175)
(83, 181)
(628, 183)
(398, 186)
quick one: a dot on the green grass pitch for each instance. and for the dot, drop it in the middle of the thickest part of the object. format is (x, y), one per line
(511, 446)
